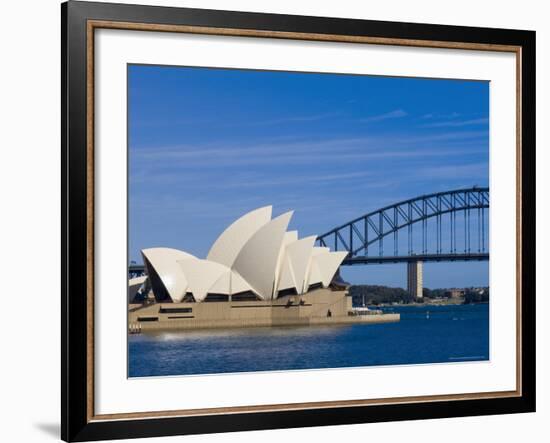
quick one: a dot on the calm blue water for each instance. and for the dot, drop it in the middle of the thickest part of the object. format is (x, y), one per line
(450, 334)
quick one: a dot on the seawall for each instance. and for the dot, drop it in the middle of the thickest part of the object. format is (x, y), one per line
(318, 307)
(262, 322)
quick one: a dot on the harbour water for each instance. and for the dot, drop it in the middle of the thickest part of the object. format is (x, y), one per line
(425, 334)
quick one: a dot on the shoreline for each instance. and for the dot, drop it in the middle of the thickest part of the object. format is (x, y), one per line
(443, 303)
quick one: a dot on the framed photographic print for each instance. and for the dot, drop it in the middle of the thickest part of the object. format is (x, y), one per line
(277, 221)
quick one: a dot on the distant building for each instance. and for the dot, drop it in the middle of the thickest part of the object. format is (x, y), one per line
(454, 293)
(414, 279)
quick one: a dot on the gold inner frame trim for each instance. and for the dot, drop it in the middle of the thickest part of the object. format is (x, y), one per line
(97, 24)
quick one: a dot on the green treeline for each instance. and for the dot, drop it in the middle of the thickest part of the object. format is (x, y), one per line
(376, 294)
(472, 296)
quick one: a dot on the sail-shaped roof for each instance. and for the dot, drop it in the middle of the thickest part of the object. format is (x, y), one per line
(255, 254)
(327, 264)
(286, 277)
(201, 275)
(228, 245)
(299, 254)
(167, 280)
(257, 261)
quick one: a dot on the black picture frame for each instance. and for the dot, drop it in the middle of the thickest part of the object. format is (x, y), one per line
(76, 422)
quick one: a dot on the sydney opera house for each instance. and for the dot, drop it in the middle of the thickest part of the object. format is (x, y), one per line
(256, 274)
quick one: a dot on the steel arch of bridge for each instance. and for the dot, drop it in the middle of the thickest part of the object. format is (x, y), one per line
(359, 235)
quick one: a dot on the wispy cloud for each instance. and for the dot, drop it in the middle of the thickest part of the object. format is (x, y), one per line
(457, 123)
(312, 151)
(398, 113)
(432, 115)
(243, 123)
(467, 171)
(187, 171)
(295, 119)
(298, 180)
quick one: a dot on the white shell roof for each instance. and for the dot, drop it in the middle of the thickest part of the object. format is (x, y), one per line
(319, 250)
(137, 280)
(228, 245)
(222, 284)
(324, 266)
(257, 261)
(286, 279)
(201, 275)
(239, 284)
(165, 262)
(290, 236)
(254, 254)
(298, 254)
(134, 284)
(206, 277)
(314, 275)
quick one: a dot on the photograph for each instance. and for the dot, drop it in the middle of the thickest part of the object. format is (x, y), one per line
(283, 221)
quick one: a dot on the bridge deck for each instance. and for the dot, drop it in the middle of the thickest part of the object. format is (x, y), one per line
(361, 260)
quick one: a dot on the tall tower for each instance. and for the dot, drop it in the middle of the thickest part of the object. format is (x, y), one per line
(414, 278)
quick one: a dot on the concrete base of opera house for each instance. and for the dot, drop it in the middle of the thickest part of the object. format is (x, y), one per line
(317, 307)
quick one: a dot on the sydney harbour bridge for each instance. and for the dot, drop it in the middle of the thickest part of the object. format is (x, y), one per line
(439, 227)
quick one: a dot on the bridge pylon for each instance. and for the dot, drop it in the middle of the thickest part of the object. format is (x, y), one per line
(414, 279)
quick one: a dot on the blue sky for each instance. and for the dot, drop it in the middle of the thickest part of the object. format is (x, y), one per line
(207, 145)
